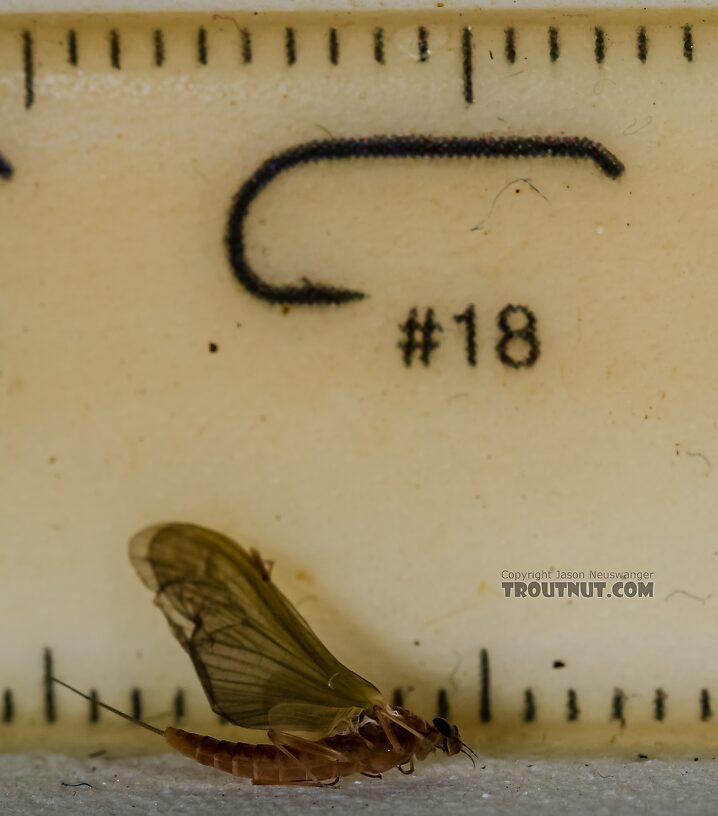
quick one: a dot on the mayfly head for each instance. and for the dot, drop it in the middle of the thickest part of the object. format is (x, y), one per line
(451, 743)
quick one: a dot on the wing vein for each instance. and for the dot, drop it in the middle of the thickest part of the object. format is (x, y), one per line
(260, 664)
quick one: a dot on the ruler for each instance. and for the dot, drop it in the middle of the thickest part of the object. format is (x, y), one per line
(422, 305)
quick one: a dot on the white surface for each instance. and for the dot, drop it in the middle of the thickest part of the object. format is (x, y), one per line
(171, 784)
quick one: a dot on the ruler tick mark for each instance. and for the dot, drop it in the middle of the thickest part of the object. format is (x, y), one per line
(572, 709)
(529, 706)
(50, 710)
(28, 65)
(618, 706)
(510, 45)
(246, 46)
(554, 49)
(705, 705)
(202, 45)
(484, 687)
(599, 49)
(290, 43)
(158, 39)
(6, 169)
(333, 46)
(442, 704)
(688, 42)
(467, 64)
(179, 706)
(94, 706)
(379, 45)
(8, 707)
(72, 46)
(136, 704)
(642, 44)
(659, 705)
(115, 49)
(423, 44)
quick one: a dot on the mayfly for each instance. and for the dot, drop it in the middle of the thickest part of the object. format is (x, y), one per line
(262, 667)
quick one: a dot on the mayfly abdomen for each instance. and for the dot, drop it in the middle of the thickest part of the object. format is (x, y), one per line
(263, 764)
(218, 754)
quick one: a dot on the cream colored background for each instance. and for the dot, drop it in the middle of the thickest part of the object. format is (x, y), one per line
(390, 499)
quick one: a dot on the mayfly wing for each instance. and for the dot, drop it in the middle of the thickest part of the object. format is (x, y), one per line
(260, 664)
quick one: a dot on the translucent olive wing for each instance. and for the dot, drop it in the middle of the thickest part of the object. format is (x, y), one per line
(260, 664)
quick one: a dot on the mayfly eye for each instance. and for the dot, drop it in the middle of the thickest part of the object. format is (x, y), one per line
(442, 727)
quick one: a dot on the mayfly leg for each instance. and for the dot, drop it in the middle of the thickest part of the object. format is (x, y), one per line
(280, 738)
(385, 723)
(306, 784)
(400, 768)
(283, 742)
(392, 717)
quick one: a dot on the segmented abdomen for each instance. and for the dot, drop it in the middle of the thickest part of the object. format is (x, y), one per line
(263, 764)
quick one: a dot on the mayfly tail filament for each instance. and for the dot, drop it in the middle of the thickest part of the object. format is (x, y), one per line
(109, 708)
